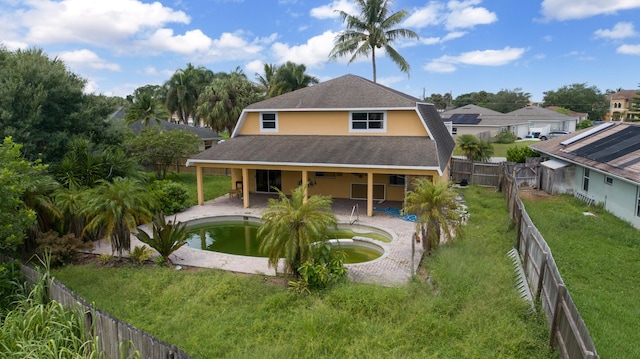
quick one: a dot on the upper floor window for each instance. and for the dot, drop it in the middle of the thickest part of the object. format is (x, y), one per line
(268, 122)
(367, 121)
(608, 180)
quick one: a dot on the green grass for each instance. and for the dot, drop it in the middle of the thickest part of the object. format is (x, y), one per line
(467, 309)
(214, 186)
(599, 261)
(500, 149)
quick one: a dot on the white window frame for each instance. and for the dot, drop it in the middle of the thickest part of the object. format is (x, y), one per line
(608, 180)
(585, 179)
(454, 131)
(368, 121)
(262, 121)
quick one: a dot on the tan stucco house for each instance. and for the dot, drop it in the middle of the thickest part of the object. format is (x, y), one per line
(347, 137)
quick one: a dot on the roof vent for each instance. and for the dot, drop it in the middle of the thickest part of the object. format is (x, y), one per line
(587, 133)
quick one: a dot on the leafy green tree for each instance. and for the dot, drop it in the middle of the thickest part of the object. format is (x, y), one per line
(579, 98)
(160, 149)
(371, 29)
(505, 136)
(116, 209)
(222, 102)
(437, 210)
(291, 226)
(43, 105)
(509, 100)
(267, 80)
(473, 148)
(183, 90)
(584, 124)
(438, 100)
(481, 99)
(15, 176)
(520, 154)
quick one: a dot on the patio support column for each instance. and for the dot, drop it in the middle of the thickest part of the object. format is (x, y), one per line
(305, 180)
(245, 187)
(199, 185)
(370, 194)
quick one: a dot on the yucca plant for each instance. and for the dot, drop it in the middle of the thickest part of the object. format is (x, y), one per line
(167, 237)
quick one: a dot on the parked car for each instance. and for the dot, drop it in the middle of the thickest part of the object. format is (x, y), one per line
(553, 134)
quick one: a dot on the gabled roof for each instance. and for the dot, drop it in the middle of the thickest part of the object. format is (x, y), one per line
(471, 109)
(485, 117)
(537, 113)
(613, 148)
(345, 92)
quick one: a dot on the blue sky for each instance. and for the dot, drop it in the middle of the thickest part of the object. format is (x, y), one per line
(464, 46)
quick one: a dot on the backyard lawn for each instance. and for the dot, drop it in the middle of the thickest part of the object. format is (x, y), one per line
(500, 149)
(598, 257)
(214, 186)
(462, 305)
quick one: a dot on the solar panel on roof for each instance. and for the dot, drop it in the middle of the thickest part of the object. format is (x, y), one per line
(611, 147)
(465, 118)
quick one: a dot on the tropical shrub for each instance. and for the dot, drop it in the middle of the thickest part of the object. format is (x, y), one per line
(172, 196)
(520, 154)
(505, 137)
(167, 237)
(325, 268)
(141, 253)
(63, 249)
(10, 284)
(584, 124)
(473, 148)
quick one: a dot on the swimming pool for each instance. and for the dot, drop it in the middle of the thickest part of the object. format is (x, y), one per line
(236, 235)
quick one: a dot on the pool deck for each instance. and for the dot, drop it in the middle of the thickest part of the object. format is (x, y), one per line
(392, 268)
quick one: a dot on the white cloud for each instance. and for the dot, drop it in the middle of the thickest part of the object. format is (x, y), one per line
(621, 30)
(14, 45)
(478, 58)
(429, 15)
(580, 9)
(313, 54)
(463, 15)
(93, 22)
(86, 59)
(190, 42)
(438, 40)
(234, 46)
(629, 49)
(329, 11)
(254, 67)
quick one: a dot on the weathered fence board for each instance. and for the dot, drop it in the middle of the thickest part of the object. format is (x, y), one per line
(568, 331)
(484, 174)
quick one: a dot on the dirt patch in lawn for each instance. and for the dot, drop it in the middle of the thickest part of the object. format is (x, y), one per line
(534, 195)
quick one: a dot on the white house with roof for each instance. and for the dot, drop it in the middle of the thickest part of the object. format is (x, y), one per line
(483, 122)
(542, 120)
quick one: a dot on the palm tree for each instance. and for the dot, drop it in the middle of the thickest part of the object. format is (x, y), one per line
(117, 208)
(291, 226)
(370, 30)
(474, 148)
(268, 79)
(222, 102)
(290, 77)
(184, 88)
(436, 209)
(144, 108)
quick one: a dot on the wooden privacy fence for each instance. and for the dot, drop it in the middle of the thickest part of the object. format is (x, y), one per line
(116, 339)
(568, 331)
(486, 174)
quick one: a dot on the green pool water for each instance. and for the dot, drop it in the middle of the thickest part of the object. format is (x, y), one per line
(239, 238)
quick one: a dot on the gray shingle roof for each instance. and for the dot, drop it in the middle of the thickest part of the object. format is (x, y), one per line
(341, 151)
(533, 113)
(348, 91)
(203, 133)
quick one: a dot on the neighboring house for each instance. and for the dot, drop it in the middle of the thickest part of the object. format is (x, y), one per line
(581, 116)
(599, 164)
(542, 120)
(621, 106)
(347, 138)
(483, 122)
(207, 135)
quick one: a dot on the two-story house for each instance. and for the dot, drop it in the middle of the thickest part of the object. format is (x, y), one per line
(621, 106)
(347, 138)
